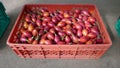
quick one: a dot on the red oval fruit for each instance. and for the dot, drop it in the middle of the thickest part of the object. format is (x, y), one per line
(61, 42)
(34, 19)
(22, 35)
(38, 22)
(38, 16)
(74, 20)
(62, 34)
(92, 20)
(99, 40)
(55, 13)
(54, 19)
(60, 11)
(66, 15)
(77, 11)
(89, 42)
(51, 24)
(95, 27)
(46, 28)
(66, 27)
(41, 27)
(79, 20)
(57, 38)
(83, 39)
(85, 12)
(34, 24)
(60, 16)
(82, 24)
(30, 27)
(68, 31)
(75, 15)
(44, 23)
(35, 32)
(80, 16)
(23, 39)
(87, 24)
(57, 28)
(79, 33)
(33, 15)
(61, 24)
(27, 34)
(48, 42)
(46, 14)
(89, 29)
(25, 25)
(44, 36)
(67, 39)
(68, 21)
(50, 36)
(22, 30)
(74, 30)
(46, 19)
(35, 42)
(64, 20)
(42, 41)
(41, 32)
(74, 39)
(85, 32)
(71, 13)
(30, 39)
(78, 26)
(27, 19)
(92, 35)
(94, 30)
(52, 30)
(85, 18)
(43, 9)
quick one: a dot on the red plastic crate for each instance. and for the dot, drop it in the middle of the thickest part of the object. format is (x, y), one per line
(81, 51)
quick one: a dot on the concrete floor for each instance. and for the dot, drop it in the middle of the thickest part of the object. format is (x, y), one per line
(109, 10)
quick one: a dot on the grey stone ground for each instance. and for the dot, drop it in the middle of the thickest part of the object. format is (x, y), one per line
(109, 10)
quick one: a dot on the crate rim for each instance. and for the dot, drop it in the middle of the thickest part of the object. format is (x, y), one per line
(17, 44)
(61, 4)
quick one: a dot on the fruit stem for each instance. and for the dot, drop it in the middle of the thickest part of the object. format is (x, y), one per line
(63, 37)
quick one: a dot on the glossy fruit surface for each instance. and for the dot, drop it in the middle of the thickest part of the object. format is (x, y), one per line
(46, 27)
